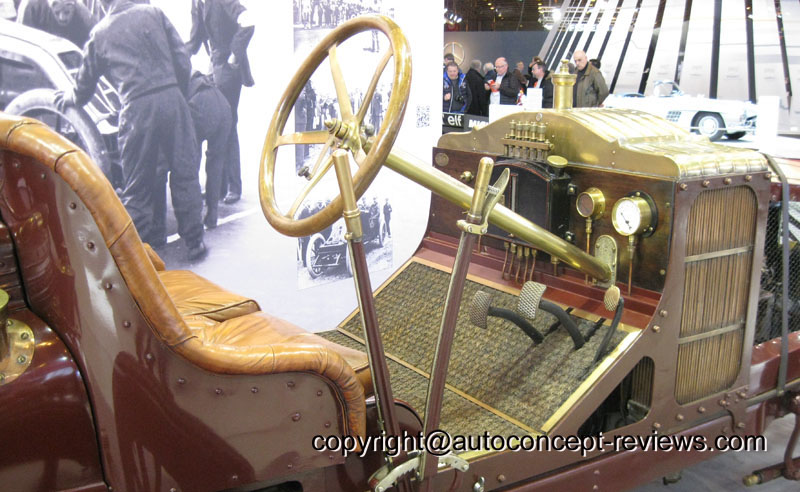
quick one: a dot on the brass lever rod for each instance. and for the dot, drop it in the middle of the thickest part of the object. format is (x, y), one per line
(460, 194)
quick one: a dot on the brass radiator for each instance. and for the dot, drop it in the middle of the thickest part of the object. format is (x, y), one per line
(719, 261)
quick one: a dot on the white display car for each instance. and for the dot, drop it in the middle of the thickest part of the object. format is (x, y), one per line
(713, 118)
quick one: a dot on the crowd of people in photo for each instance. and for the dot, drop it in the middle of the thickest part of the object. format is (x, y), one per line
(320, 14)
(494, 83)
(168, 110)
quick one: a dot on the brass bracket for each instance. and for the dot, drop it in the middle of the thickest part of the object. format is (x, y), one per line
(493, 195)
(605, 250)
(20, 351)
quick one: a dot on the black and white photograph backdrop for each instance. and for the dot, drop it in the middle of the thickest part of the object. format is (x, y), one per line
(245, 254)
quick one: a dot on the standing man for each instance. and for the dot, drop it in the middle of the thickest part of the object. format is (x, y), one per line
(590, 88)
(63, 18)
(505, 88)
(474, 79)
(455, 93)
(226, 27)
(542, 80)
(387, 217)
(138, 50)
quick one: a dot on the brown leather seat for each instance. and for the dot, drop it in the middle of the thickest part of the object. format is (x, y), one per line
(209, 326)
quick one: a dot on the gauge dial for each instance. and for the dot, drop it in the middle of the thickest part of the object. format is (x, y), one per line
(591, 203)
(632, 215)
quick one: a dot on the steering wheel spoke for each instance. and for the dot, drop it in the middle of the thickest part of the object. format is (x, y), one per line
(373, 84)
(326, 161)
(300, 138)
(345, 107)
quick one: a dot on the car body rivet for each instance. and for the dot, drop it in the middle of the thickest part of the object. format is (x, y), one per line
(656, 328)
(740, 425)
(24, 335)
(126, 324)
(701, 409)
(10, 322)
(723, 403)
(327, 424)
(706, 183)
(73, 205)
(501, 478)
(330, 456)
(2, 377)
(254, 390)
(679, 417)
(768, 176)
(235, 478)
(173, 489)
(43, 176)
(289, 466)
(108, 285)
(595, 487)
(290, 384)
(181, 381)
(21, 359)
(662, 272)
(596, 472)
(663, 313)
(90, 245)
(727, 181)
(748, 178)
(296, 417)
(319, 392)
(683, 187)
(148, 356)
(218, 391)
(656, 425)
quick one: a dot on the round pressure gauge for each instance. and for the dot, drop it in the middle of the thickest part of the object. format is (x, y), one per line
(633, 215)
(591, 204)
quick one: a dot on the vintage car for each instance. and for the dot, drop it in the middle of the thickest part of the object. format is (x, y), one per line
(601, 295)
(327, 250)
(713, 118)
(34, 64)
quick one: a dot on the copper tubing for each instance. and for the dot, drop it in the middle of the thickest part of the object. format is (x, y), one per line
(505, 259)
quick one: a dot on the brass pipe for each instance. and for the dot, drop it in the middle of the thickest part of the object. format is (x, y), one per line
(519, 263)
(505, 259)
(460, 194)
(352, 216)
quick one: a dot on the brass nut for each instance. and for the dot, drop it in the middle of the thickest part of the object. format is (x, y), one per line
(726, 181)
(683, 187)
(748, 178)
(706, 183)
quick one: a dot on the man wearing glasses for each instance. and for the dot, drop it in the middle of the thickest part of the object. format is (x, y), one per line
(505, 88)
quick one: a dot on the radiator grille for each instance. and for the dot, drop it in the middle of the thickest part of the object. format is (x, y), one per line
(719, 261)
(642, 383)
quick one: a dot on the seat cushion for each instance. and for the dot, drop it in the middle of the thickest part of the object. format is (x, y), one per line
(261, 329)
(195, 295)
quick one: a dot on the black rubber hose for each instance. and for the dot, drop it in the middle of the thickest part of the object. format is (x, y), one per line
(518, 320)
(611, 329)
(565, 320)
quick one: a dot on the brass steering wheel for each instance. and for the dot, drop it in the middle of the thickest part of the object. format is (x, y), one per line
(344, 133)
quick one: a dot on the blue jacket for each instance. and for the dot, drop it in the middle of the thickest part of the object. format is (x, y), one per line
(460, 96)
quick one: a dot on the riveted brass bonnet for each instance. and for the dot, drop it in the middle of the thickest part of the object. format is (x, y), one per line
(562, 86)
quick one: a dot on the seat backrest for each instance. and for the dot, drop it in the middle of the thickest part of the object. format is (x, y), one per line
(28, 137)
